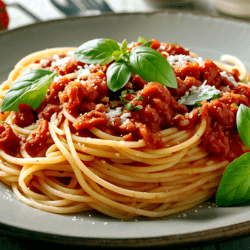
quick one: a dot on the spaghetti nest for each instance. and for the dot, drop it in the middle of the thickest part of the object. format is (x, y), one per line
(120, 178)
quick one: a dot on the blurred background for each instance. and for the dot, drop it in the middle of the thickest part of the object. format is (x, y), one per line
(24, 12)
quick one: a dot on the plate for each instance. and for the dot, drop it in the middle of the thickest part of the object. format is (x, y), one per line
(205, 35)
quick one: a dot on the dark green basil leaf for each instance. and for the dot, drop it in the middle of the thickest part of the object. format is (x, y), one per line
(234, 187)
(147, 44)
(197, 104)
(97, 51)
(152, 66)
(243, 124)
(30, 88)
(118, 74)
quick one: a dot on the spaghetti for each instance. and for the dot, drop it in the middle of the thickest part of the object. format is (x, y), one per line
(83, 150)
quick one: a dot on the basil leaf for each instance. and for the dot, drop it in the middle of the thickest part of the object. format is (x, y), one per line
(234, 187)
(147, 44)
(118, 74)
(30, 88)
(117, 55)
(130, 107)
(124, 46)
(243, 124)
(97, 51)
(141, 39)
(202, 93)
(152, 66)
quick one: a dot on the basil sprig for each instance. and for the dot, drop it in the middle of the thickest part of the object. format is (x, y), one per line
(151, 66)
(118, 75)
(234, 187)
(243, 124)
(30, 89)
(142, 60)
(97, 51)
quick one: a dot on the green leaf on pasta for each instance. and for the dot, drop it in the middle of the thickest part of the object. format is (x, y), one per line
(30, 89)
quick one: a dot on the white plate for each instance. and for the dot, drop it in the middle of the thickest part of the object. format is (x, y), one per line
(205, 35)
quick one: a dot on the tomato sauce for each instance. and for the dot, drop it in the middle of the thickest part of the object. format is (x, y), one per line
(153, 107)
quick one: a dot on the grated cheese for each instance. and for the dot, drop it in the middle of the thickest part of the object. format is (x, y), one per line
(83, 72)
(60, 62)
(71, 53)
(177, 59)
(112, 113)
(57, 78)
(117, 112)
(229, 77)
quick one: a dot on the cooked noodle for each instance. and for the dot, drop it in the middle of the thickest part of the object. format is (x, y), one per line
(121, 179)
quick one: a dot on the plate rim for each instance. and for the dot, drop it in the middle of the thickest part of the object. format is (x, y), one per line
(211, 235)
(108, 14)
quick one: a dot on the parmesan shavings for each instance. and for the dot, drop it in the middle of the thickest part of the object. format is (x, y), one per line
(117, 112)
(229, 77)
(177, 59)
(198, 94)
(60, 62)
(83, 72)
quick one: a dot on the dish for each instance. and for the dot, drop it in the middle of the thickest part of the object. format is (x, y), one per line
(128, 147)
(179, 228)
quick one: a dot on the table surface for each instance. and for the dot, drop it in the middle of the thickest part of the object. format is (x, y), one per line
(25, 12)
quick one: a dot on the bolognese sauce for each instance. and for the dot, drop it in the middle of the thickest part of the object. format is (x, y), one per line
(145, 149)
(90, 101)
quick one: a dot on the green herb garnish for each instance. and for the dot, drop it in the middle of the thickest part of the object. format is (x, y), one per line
(141, 39)
(118, 74)
(142, 60)
(130, 107)
(202, 93)
(31, 88)
(243, 124)
(234, 187)
(236, 106)
(97, 51)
